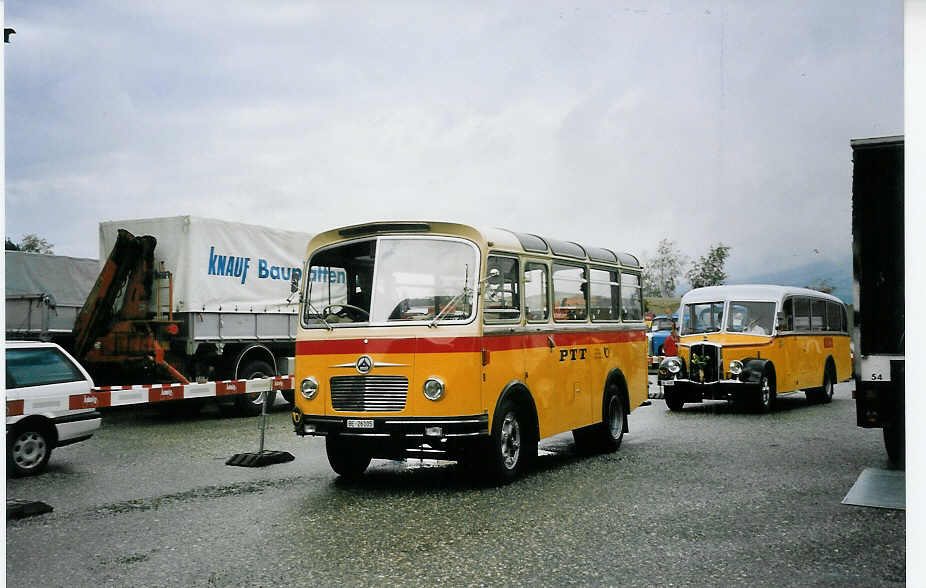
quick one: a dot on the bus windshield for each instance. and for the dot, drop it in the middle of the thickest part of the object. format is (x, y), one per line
(706, 317)
(756, 318)
(391, 280)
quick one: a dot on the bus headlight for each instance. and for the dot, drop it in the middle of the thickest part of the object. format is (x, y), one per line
(736, 367)
(433, 389)
(309, 388)
(674, 365)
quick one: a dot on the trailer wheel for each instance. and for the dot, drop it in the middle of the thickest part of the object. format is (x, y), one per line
(250, 404)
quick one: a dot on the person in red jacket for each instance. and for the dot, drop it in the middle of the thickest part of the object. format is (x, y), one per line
(670, 346)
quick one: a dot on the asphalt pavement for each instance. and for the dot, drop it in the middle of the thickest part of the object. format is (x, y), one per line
(710, 496)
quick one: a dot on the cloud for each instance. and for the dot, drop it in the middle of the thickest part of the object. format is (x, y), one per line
(603, 123)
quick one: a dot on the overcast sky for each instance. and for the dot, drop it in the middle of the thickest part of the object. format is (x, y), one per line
(609, 123)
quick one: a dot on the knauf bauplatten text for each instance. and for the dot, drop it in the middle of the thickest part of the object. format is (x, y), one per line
(237, 267)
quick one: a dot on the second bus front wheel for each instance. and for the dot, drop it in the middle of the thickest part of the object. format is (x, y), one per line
(766, 395)
(348, 458)
(250, 404)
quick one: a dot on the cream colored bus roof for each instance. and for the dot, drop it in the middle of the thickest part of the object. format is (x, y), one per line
(750, 292)
(488, 238)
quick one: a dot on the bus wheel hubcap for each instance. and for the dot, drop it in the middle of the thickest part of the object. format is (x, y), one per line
(510, 441)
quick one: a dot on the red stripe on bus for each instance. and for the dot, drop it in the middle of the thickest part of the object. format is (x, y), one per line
(465, 344)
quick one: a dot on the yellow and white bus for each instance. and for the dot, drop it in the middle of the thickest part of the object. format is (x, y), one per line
(440, 340)
(753, 343)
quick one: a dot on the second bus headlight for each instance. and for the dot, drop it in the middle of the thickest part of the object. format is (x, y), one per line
(433, 389)
(674, 365)
(309, 388)
(736, 367)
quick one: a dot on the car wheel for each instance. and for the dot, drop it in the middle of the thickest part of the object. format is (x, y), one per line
(250, 404)
(894, 443)
(28, 450)
(348, 459)
(765, 398)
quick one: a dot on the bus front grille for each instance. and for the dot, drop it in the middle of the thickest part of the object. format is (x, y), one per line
(708, 368)
(369, 393)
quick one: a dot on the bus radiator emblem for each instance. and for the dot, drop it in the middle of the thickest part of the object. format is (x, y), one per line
(364, 364)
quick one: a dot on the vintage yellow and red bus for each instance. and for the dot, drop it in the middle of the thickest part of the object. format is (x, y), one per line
(440, 340)
(753, 343)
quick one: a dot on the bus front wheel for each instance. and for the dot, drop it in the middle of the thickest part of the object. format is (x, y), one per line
(510, 444)
(674, 401)
(348, 459)
(766, 395)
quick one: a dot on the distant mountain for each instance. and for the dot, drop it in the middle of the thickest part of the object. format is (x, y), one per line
(837, 273)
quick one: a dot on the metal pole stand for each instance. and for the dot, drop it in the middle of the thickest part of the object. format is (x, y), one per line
(261, 458)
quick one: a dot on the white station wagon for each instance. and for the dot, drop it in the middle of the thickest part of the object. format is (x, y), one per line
(42, 376)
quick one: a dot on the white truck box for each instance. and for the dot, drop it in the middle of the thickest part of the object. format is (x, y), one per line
(231, 281)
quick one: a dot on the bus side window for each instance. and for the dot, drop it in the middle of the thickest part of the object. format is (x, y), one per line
(801, 314)
(818, 315)
(631, 298)
(833, 317)
(788, 309)
(536, 292)
(502, 293)
(604, 298)
(570, 293)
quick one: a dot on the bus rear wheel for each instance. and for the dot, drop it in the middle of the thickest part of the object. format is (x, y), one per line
(348, 459)
(606, 436)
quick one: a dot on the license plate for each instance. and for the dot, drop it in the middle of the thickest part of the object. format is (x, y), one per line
(668, 382)
(359, 423)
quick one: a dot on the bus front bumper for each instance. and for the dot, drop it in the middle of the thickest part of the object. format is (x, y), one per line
(691, 391)
(412, 430)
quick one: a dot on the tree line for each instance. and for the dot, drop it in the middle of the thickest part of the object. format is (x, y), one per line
(663, 271)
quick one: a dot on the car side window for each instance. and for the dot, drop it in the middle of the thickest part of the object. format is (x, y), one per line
(38, 367)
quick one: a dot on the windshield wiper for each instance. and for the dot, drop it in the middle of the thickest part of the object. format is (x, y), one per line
(319, 315)
(465, 293)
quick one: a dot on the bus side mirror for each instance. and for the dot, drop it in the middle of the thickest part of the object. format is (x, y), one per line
(780, 321)
(294, 283)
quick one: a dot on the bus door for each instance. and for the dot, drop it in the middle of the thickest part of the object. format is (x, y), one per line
(801, 352)
(540, 355)
(503, 350)
(572, 350)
